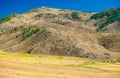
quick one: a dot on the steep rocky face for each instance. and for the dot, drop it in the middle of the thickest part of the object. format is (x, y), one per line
(54, 31)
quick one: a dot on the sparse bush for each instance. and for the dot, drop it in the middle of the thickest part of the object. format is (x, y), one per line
(7, 18)
(50, 15)
(81, 52)
(91, 55)
(75, 15)
(17, 36)
(60, 42)
(27, 32)
(39, 15)
(14, 29)
(95, 24)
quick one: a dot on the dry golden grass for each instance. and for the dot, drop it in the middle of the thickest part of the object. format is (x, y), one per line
(14, 65)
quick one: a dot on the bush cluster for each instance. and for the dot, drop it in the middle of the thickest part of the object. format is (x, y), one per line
(7, 18)
(110, 15)
(27, 32)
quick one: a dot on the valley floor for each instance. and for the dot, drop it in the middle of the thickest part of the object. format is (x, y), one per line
(14, 65)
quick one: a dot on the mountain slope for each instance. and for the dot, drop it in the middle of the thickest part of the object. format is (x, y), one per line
(54, 31)
(107, 17)
(108, 21)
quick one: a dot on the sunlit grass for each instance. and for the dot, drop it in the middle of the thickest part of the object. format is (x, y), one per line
(59, 61)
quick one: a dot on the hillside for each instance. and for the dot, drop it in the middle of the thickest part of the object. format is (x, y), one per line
(107, 17)
(59, 32)
(108, 21)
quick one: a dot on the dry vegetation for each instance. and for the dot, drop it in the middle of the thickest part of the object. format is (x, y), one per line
(54, 31)
(66, 44)
(14, 65)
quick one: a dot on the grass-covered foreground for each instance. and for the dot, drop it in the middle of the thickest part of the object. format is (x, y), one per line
(15, 65)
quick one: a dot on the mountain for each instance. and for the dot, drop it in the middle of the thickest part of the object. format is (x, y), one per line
(62, 32)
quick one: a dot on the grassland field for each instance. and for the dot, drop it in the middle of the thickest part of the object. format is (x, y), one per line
(19, 65)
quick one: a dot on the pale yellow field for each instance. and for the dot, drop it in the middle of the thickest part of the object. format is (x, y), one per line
(14, 65)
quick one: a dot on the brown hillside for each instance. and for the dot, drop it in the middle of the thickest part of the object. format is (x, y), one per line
(54, 31)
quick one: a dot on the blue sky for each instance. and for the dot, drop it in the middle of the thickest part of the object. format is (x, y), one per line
(20, 6)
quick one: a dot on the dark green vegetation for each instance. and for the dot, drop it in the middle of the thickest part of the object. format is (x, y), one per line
(108, 17)
(7, 18)
(39, 15)
(29, 31)
(75, 16)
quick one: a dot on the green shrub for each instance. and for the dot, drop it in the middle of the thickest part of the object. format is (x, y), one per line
(75, 15)
(14, 29)
(17, 36)
(7, 18)
(39, 15)
(29, 31)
